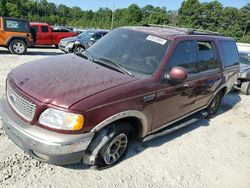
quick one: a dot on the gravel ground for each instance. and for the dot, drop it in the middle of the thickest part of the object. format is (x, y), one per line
(213, 153)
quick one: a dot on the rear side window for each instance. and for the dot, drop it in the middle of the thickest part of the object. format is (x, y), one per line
(184, 56)
(229, 53)
(45, 29)
(16, 25)
(206, 59)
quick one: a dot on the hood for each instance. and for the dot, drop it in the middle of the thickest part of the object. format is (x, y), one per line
(66, 79)
(70, 39)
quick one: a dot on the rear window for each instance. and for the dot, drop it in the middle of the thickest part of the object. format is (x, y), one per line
(16, 25)
(229, 52)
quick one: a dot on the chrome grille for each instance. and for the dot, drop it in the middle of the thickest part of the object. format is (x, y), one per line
(23, 106)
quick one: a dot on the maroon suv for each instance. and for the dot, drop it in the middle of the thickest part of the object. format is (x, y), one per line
(135, 82)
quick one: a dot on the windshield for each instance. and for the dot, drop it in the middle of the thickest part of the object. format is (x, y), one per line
(86, 35)
(137, 52)
(245, 58)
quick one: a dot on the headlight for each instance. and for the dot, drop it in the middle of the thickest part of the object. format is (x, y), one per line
(70, 44)
(61, 120)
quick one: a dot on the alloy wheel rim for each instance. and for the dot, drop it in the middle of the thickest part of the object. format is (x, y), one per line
(18, 47)
(79, 49)
(115, 149)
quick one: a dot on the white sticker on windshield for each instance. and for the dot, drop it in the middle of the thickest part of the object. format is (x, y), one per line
(156, 39)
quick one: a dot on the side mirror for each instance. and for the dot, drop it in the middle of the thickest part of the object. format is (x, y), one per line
(177, 74)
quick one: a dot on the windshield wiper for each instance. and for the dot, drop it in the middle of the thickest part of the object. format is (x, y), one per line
(118, 66)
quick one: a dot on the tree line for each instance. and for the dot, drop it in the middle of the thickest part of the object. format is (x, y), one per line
(192, 14)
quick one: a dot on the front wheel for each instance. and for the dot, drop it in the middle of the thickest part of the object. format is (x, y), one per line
(115, 149)
(78, 49)
(18, 47)
(215, 104)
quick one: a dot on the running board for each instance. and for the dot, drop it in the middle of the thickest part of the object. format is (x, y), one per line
(178, 125)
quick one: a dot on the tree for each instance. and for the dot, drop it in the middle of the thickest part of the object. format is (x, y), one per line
(210, 15)
(3, 10)
(189, 14)
(12, 10)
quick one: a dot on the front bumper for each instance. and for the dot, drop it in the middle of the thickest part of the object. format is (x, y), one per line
(41, 144)
(65, 49)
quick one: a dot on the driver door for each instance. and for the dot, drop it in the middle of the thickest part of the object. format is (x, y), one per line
(176, 100)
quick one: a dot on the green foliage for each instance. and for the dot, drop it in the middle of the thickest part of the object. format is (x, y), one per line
(192, 13)
(189, 14)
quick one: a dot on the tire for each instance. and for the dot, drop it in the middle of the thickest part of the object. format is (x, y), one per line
(115, 148)
(214, 105)
(79, 49)
(245, 88)
(18, 47)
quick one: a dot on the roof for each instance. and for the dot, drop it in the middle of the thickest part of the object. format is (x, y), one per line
(173, 32)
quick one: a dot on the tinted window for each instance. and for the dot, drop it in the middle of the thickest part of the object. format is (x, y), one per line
(45, 29)
(206, 59)
(229, 53)
(16, 25)
(184, 56)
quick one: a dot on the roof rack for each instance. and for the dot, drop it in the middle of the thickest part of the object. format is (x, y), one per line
(189, 31)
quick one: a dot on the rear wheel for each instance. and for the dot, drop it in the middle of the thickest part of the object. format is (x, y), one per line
(245, 88)
(215, 104)
(18, 47)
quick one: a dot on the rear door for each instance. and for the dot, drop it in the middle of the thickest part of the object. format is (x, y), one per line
(173, 101)
(209, 72)
(230, 59)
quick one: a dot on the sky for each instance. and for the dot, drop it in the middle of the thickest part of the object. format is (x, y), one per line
(170, 4)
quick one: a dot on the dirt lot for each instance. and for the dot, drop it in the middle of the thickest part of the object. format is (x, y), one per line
(213, 153)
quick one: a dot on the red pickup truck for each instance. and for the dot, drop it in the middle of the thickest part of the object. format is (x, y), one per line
(45, 35)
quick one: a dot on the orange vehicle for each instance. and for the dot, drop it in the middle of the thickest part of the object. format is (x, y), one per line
(15, 34)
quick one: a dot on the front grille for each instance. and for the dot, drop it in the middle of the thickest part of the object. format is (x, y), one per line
(23, 106)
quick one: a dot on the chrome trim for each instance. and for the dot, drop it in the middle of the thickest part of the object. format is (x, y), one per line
(124, 114)
(23, 106)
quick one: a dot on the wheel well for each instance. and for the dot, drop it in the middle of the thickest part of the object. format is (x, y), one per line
(17, 38)
(135, 125)
(80, 46)
(224, 90)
